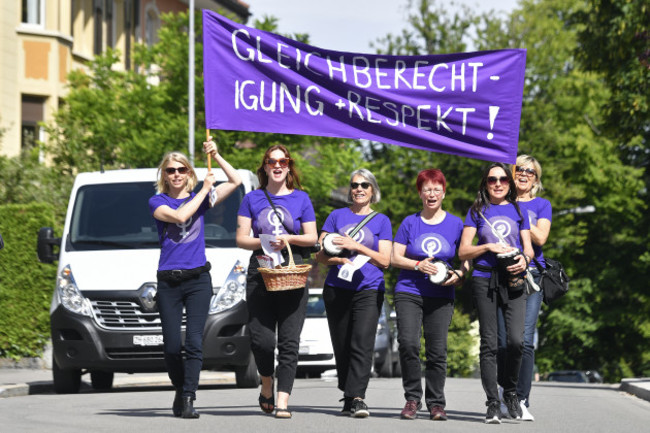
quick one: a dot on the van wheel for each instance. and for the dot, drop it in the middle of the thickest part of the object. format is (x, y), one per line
(397, 366)
(386, 369)
(102, 380)
(65, 381)
(247, 376)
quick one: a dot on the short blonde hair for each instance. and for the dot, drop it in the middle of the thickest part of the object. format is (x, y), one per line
(527, 159)
(161, 184)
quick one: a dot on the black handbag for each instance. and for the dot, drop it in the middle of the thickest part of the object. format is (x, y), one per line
(554, 281)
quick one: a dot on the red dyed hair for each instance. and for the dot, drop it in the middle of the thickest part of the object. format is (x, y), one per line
(433, 175)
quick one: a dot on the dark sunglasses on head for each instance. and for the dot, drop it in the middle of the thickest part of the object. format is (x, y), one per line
(180, 170)
(491, 180)
(284, 162)
(527, 171)
(355, 185)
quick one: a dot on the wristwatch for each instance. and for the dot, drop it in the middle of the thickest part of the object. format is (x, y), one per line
(417, 266)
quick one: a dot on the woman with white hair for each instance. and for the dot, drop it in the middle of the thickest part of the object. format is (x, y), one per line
(354, 287)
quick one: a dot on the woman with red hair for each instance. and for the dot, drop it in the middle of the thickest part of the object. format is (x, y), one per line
(424, 248)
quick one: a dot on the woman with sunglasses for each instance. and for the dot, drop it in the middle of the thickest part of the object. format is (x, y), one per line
(284, 213)
(183, 273)
(528, 179)
(354, 287)
(503, 231)
(421, 304)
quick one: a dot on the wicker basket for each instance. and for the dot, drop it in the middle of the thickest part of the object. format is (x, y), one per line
(285, 277)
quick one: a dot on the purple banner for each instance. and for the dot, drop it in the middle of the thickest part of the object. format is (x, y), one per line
(466, 104)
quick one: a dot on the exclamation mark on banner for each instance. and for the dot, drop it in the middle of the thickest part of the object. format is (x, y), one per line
(494, 110)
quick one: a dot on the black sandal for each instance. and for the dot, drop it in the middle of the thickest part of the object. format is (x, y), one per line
(268, 401)
(283, 413)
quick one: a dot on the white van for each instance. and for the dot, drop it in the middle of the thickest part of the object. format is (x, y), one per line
(103, 315)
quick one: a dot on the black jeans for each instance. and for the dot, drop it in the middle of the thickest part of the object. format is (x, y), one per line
(193, 294)
(415, 313)
(267, 310)
(352, 318)
(533, 305)
(487, 302)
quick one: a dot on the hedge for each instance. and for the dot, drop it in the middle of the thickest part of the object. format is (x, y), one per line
(26, 285)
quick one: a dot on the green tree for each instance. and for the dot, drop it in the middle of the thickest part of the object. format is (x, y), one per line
(562, 125)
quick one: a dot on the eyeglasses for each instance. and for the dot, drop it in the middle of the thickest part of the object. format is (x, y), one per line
(492, 180)
(284, 162)
(180, 170)
(528, 171)
(355, 185)
(436, 191)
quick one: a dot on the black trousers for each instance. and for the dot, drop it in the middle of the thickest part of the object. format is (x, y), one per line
(193, 294)
(487, 301)
(267, 311)
(433, 315)
(352, 318)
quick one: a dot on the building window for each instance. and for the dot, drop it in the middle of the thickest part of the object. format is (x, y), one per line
(110, 24)
(33, 12)
(33, 109)
(99, 27)
(151, 27)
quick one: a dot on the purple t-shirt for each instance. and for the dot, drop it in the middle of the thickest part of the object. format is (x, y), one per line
(294, 209)
(369, 276)
(504, 219)
(424, 240)
(183, 246)
(536, 209)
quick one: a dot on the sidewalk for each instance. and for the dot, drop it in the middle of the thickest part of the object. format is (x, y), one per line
(15, 382)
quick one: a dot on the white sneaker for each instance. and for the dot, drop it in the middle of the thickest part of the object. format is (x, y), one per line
(525, 414)
(503, 408)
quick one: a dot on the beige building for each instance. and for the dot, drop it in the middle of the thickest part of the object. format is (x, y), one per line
(41, 41)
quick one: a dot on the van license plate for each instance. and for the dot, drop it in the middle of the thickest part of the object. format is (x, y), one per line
(148, 340)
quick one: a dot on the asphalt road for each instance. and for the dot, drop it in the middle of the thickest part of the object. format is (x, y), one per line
(557, 407)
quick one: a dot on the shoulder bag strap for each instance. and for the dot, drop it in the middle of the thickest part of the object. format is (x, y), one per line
(365, 221)
(277, 214)
(494, 231)
(539, 265)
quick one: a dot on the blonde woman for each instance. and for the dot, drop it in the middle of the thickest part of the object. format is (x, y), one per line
(538, 210)
(183, 272)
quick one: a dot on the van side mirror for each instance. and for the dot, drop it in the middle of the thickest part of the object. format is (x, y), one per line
(45, 245)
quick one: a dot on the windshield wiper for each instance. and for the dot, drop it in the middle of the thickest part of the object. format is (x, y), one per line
(105, 243)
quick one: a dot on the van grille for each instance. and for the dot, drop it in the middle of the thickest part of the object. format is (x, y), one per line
(125, 315)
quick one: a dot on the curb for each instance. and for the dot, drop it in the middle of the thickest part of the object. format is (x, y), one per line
(47, 386)
(637, 387)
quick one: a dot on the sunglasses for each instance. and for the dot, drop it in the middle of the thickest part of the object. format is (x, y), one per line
(355, 185)
(180, 170)
(492, 180)
(527, 171)
(284, 162)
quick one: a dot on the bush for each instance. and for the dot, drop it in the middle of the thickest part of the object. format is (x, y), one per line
(25, 283)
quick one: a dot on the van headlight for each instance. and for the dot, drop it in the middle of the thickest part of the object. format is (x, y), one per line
(69, 294)
(232, 292)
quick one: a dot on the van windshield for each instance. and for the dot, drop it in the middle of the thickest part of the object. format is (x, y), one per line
(116, 216)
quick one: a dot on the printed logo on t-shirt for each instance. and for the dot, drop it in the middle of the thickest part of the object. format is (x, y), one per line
(363, 236)
(184, 232)
(269, 223)
(432, 244)
(501, 225)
